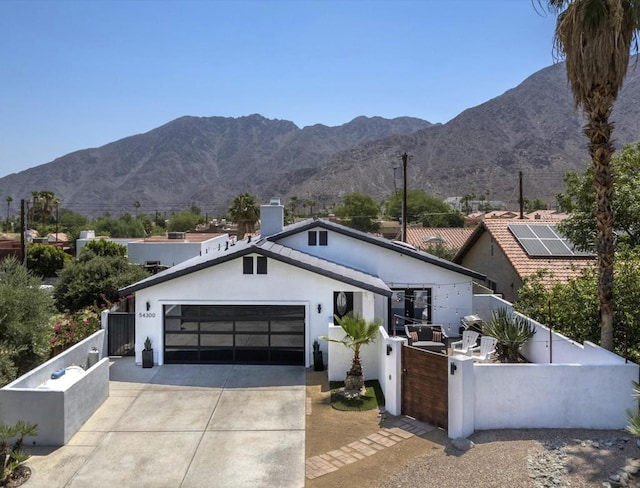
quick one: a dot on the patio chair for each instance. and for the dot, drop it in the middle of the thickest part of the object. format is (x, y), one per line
(469, 338)
(486, 348)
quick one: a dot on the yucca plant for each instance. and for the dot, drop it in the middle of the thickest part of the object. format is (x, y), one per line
(512, 331)
(634, 417)
(11, 455)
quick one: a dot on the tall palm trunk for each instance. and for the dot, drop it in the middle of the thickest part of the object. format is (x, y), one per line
(598, 129)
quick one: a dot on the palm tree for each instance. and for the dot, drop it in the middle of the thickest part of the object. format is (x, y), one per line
(311, 204)
(47, 203)
(358, 332)
(595, 38)
(9, 200)
(245, 211)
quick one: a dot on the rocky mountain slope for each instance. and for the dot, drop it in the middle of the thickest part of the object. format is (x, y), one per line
(206, 161)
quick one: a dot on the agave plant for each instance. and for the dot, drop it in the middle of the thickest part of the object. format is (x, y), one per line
(512, 331)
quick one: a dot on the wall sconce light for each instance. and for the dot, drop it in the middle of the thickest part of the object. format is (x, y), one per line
(452, 369)
(389, 349)
(148, 305)
(319, 308)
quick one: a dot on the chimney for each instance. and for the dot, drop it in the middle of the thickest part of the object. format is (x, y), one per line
(271, 218)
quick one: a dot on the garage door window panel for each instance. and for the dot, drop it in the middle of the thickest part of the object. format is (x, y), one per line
(236, 333)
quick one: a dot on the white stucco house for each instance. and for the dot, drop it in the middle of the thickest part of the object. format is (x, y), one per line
(266, 299)
(167, 251)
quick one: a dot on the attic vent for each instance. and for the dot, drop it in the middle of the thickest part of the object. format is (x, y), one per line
(175, 235)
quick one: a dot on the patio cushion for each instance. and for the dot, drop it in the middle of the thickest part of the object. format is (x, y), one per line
(413, 336)
(425, 334)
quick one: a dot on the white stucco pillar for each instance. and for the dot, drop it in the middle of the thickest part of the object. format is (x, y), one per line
(393, 378)
(461, 397)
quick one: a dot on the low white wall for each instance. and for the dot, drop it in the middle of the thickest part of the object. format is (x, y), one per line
(339, 357)
(511, 396)
(381, 360)
(585, 386)
(59, 414)
(563, 350)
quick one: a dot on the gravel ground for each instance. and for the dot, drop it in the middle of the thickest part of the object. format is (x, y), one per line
(523, 458)
(527, 458)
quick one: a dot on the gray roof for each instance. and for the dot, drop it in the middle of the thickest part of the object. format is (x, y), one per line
(272, 250)
(375, 240)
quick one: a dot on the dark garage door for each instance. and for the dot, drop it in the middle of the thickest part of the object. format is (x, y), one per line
(272, 334)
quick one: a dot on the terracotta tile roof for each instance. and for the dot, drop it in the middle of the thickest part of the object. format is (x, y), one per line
(563, 268)
(546, 215)
(453, 237)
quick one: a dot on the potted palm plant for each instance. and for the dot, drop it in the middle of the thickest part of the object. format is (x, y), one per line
(147, 354)
(358, 332)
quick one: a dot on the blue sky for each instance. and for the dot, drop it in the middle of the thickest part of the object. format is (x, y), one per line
(83, 73)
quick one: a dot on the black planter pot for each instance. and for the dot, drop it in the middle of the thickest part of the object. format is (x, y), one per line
(147, 358)
(318, 363)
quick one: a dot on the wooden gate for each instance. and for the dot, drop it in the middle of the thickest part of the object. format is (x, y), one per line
(122, 334)
(425, 386)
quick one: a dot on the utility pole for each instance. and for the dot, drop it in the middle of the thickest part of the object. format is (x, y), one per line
(405, 157)
(521, 197)
(23, 230)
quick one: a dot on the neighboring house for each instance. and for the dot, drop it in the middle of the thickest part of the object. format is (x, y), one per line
(163, 251)
(507, 251)
(89, 235)
(266, 300)
(174, 248)
(452, 238)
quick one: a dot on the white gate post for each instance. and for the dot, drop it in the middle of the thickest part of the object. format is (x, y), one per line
(393, 377)
(461, 397)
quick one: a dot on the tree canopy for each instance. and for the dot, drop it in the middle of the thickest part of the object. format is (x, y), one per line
(245, 211)
(429, 210)
(579, 200)
(184, 221)
(361, 212)
(574, 305)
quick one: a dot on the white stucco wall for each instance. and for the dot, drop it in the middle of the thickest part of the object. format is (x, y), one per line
(226, 284)
(536, 350)
(452, 293)
(172, 253)
(553, 395)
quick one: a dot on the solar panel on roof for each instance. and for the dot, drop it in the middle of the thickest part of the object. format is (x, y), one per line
(545, 231)
(557, 247)
(521, 231)
(544, 240)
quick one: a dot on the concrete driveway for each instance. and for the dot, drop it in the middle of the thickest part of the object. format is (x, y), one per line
(186, 426)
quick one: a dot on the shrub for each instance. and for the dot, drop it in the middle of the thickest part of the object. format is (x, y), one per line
(94, 280)
(71, 328)
(45, 260)
(25, 311)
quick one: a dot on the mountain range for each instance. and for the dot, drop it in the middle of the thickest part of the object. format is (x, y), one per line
(206, 161)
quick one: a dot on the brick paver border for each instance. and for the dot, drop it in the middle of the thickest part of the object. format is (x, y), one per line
(403, 428)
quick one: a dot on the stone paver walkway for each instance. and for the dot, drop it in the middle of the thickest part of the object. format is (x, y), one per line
(402, 429)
